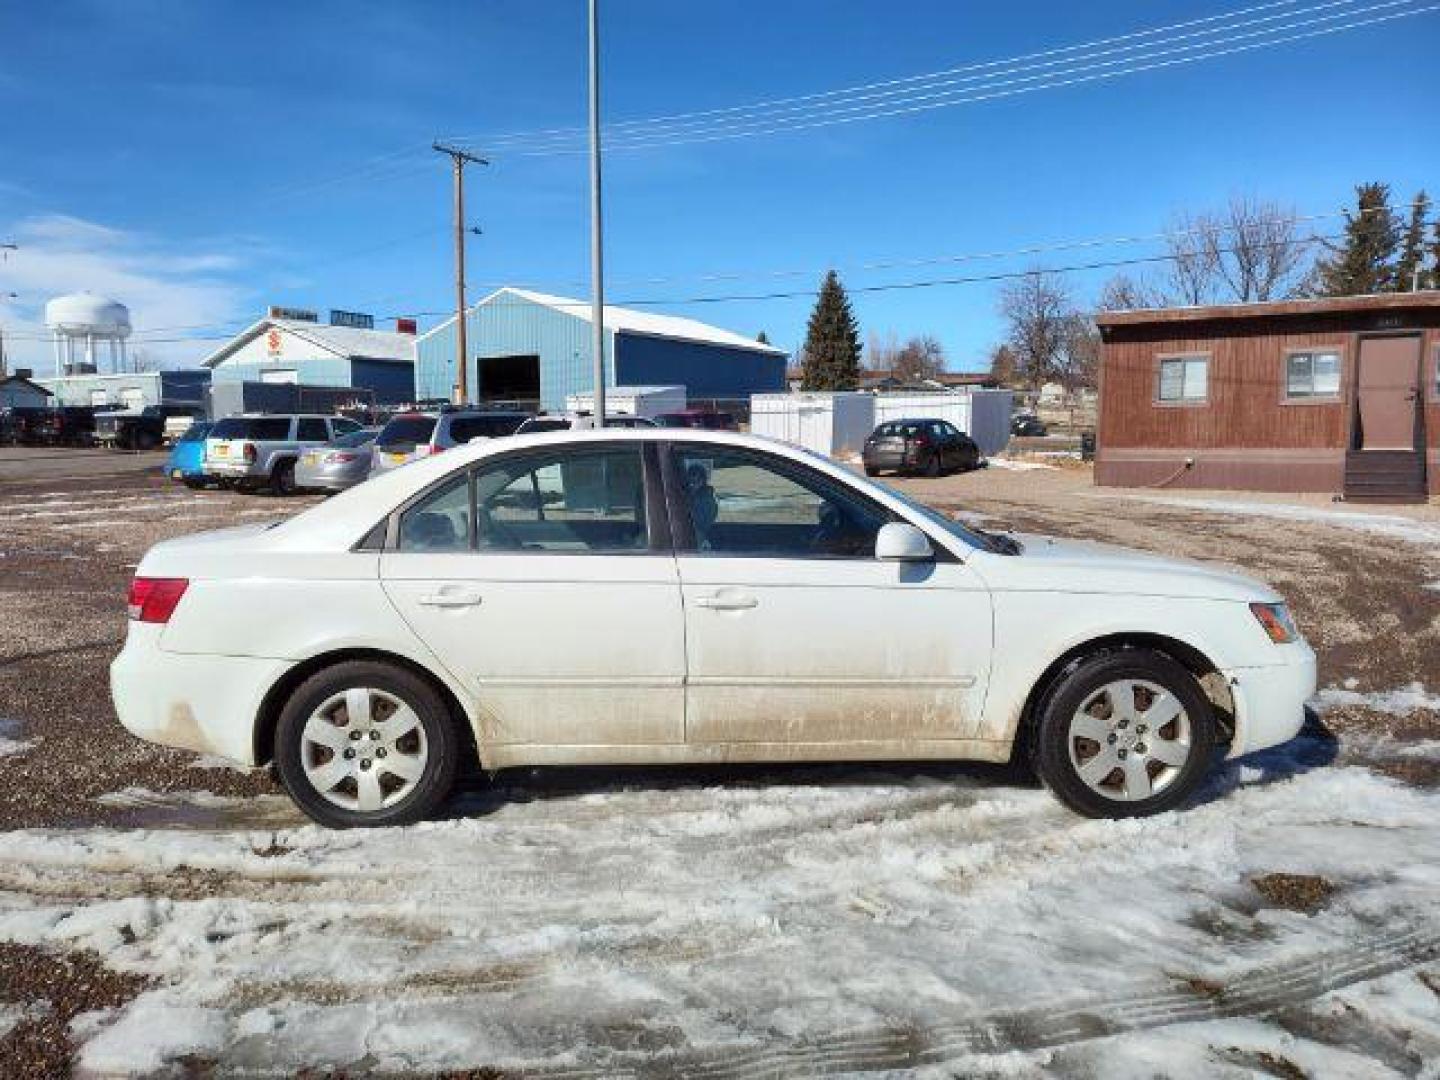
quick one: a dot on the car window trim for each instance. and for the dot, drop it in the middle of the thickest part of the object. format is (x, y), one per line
(657, 521)
(683, 529)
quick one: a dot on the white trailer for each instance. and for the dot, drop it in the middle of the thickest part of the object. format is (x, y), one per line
(832, 424)
(648, 401)
(984, 415)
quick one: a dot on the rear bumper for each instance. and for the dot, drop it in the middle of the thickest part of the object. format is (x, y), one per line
(313, 480)
(203, 703)
(889, 459)
(232, 470)
(1270, 701)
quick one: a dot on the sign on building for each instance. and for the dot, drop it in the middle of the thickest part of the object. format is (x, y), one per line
(294, 314)
(356, 320)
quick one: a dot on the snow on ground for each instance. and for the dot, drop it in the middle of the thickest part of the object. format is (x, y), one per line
(784, 921)
(1408, 699)
(11, 1015)
(9, 743)
(1016, 464)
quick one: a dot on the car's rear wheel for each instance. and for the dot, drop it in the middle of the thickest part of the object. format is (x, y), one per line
(282, 478)
(931, 468)
(365, 744)
(194, 483)
(1125, 734)
(871, 470)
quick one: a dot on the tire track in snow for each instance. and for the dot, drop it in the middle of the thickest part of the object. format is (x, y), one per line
(1265, 990)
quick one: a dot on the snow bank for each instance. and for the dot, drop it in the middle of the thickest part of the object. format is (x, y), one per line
(789, 921)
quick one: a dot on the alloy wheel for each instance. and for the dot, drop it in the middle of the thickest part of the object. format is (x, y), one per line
(363, 749)
(1129, 740)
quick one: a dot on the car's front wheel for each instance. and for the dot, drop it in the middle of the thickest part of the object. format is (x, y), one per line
(1125, 734)
(364, 744)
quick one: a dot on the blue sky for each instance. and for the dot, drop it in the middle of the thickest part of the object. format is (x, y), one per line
(199, 160)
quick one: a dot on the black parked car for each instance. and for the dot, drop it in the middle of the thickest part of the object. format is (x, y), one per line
(68, 425)
(927, 447)
(1027, 424)
(131, 429)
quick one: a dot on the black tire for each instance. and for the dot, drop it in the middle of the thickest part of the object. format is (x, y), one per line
(442, 740)
(1050, 745)
(282, 478)
(194, 483)
(870, 470)
(932, 467)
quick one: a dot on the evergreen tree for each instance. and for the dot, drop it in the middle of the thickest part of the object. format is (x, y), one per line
(1433, 281)
(831, 357)
(1410, 269)
(762, 338)
(1365, 261)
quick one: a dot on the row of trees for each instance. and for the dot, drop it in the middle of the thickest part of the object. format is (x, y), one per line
(1250, 250)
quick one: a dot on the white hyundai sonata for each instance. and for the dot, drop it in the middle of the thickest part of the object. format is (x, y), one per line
(674, 596)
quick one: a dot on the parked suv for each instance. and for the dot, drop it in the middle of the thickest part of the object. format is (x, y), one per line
(260, 451)
(410, 436)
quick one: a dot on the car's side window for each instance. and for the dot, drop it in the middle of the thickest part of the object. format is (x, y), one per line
(440, 522)
(576, 501)
(341, 426)
(741, 505)
(312, 429)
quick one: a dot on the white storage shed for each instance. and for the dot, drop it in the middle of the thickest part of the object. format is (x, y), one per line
(832, 424)
(984, 415)
(648, 401)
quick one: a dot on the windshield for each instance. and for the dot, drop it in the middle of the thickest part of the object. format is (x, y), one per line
(406, 431)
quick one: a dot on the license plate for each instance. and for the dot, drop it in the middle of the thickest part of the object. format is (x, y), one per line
(396, 459)
(176, 474)
(222, 451)
(311, 459)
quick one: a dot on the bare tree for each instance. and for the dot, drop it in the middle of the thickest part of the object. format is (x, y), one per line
(1079, 363)
(922, 358)
(1037, 308)
(881, 352)
(1124, 293)
(1257, 250)
(1250, 250)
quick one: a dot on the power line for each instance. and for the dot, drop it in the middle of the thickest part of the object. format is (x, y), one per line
(1081, 70)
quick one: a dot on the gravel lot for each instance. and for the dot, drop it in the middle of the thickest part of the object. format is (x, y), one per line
(163, 847)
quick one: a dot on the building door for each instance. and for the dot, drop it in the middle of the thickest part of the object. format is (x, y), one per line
(1387, 393)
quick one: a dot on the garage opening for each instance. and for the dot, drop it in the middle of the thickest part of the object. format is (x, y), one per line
(510, 382)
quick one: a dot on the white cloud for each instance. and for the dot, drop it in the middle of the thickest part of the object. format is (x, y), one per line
(173, 291)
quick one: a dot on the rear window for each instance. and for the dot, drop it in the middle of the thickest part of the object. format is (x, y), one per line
(900, 429)
(258, 428)
(407, 432)
(195, 433)
(465, 428)
(355, 438)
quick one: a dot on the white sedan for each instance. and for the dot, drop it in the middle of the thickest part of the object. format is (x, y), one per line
(688, 596)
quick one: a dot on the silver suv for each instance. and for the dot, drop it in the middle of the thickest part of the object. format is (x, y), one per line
(253, 451)
(566, 420)
(414, 435)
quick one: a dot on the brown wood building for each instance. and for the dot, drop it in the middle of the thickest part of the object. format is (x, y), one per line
(1338, 395)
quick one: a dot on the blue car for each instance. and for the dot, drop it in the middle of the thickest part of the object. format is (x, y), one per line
(187, 457)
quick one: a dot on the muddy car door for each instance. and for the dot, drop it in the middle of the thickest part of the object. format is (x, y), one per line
(796, 634)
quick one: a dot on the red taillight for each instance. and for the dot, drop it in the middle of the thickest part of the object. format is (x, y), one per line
(339, 457)
(249, 451)
(920, 441)
(153, 599)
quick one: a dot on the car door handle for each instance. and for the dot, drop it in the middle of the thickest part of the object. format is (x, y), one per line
(726, 603)
(451, 598)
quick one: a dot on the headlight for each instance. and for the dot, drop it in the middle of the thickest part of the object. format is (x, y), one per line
(1277, 622)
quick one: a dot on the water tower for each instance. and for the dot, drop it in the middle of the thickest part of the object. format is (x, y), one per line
(80, 322)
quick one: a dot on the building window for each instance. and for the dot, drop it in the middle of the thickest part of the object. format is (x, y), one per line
(1184, 379)
(1312, 374)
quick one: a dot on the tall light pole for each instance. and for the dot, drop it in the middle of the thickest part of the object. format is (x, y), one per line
(458, 159)
(597, 251)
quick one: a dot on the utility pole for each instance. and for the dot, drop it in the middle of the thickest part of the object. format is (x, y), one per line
(597, 251)
(458, 159)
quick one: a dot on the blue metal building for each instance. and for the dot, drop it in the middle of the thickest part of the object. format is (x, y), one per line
(306, 351)
(533, 349)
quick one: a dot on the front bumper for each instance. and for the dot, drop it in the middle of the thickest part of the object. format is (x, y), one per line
(1270, 701)
(203, 703)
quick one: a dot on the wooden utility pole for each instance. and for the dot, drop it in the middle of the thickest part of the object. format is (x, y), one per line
(458, 159)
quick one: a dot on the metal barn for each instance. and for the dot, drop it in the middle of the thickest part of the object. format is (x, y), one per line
(532, 349)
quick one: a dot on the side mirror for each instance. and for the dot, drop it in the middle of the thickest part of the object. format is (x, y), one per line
(901, 542)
